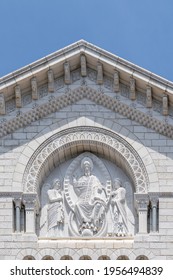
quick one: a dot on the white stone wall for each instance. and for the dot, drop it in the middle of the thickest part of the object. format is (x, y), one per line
(23, 142)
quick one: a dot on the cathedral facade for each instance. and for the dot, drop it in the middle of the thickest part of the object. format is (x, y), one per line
(86, 159)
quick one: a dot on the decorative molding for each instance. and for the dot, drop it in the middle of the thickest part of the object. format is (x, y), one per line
(14, 195)
(80, 135)
(18, 202)
(141, 201)
(73, 96)
(30, 200)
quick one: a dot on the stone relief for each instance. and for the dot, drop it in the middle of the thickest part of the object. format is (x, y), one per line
(55, 209)
(89, 203)
(141, 179)
(122, 218)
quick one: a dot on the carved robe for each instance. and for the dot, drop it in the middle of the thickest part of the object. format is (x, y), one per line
(90, 207)
(122, 214)
(55, 209)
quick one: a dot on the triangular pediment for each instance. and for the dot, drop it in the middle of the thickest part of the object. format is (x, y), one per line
(79, 71)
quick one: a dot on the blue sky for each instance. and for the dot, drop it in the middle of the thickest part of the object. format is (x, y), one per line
(138, 31)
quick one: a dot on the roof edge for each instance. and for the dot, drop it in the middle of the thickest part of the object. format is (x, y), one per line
(83, 47)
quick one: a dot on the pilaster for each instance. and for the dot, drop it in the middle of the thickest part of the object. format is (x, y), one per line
(142, 201)
(18, 203)
(154, 199)
(30, 202)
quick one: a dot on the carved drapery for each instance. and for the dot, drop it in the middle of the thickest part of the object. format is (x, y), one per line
(86, 198)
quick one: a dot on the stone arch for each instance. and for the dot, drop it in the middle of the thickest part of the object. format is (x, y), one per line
(107, 142)
(86, 252)
(47, 257)
(123, 257)
(104, 252)
(123, 252)
(29, 257)
(28, 252)
(66, 252)
(85, 257)
(66, 257)
(42, 254)
(142, 252)
(142, 257)
(104, 257)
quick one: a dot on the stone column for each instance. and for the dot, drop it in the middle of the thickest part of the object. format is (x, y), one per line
(142, 202)
(30, 214)
(154, 203)
(17, 203)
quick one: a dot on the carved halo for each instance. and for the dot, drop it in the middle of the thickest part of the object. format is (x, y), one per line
(87, 160)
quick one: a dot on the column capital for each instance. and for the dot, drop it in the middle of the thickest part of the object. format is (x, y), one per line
(30, 201)
(18, 202)
(154, 201)
(141, 201)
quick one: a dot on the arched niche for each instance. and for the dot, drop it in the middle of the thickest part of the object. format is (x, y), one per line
(68, 143)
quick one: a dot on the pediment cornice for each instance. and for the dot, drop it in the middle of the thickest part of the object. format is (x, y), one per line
(70, 97)
(94, 55)
(84, 47)
(34, 91)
